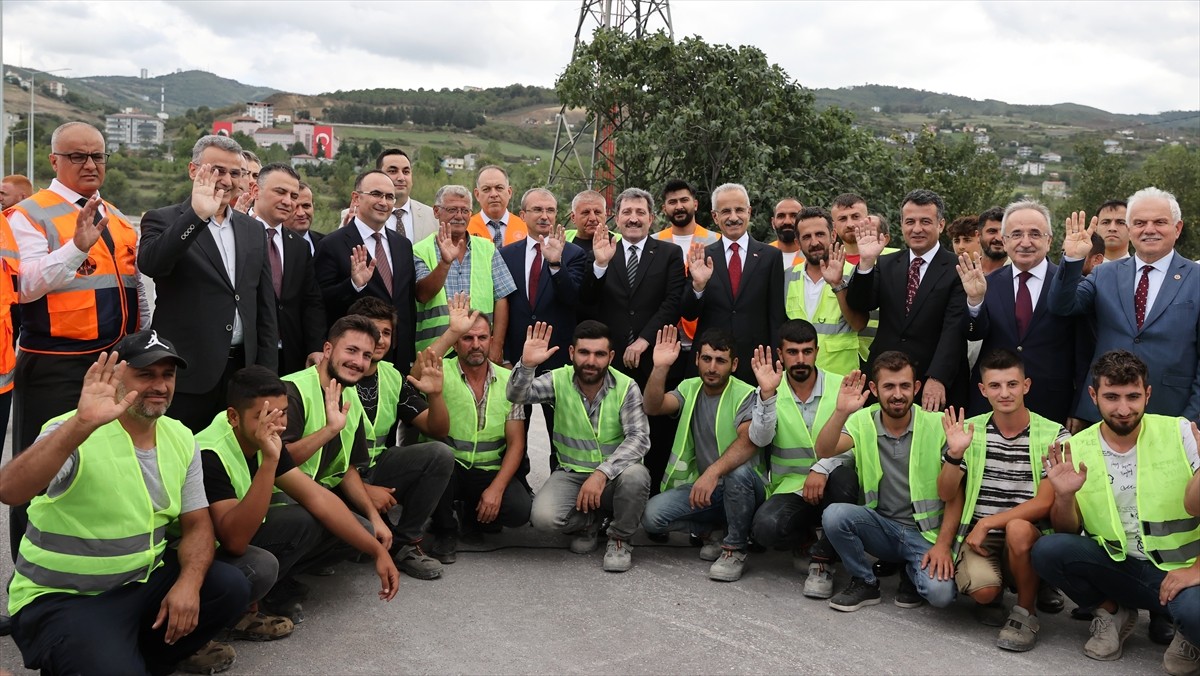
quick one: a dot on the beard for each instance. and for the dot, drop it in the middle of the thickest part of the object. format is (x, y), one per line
(786, 235)
(680, 218)
(817, 257)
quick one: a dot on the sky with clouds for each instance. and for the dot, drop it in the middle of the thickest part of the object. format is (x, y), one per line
(1126, 57)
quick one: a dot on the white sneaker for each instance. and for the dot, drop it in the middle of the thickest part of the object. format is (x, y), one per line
(618, 557)
(711, 551)
(819, 584)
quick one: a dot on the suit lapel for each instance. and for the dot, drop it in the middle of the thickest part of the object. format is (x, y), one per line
(750, 261)
(208, 244)
(937, 268)
(1177, 274)
(1043, 303)
(1125, 290)
(1007, 300)
(716, 251)
(649, 246)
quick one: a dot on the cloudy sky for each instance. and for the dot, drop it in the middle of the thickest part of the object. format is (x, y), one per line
(1128, 57)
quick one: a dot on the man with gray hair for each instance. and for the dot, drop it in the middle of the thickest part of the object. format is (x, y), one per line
(737, 281)
(210, 269)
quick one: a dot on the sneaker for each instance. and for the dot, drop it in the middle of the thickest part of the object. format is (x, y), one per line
(710, 550)
(1020, 631)
(819, 584)
(1109, 631)
(586, 540)
(213, 658)
(410, 559)
(1049, 599)
(618, 557)
(1182, 658)
(906, 594)
(857, 595)
(990, 614)
(729, 567)
(444, 548)
(259, 626)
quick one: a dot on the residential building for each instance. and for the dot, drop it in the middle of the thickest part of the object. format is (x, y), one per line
(133, 131)
(261, 111)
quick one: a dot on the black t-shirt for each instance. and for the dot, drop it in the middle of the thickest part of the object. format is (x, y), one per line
(218, 486)
(295, 431)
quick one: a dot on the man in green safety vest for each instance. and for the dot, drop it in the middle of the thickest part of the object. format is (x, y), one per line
(1131, 483)
(588, 212)
(95, 587)
(898, 448)
(713, 476)
(994, 462)
(801, 486)
(600, 435)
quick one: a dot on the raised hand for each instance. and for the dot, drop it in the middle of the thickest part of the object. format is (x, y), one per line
(869, 244)
(767, 371)
(1061, 472)
(970, 271)
(206, 195)
(335, 410)
(462, 317)
(270, 426)
(853, 393)
(537, 345)
(350, 214)
(447, 247)
(98, 400)
(700, 267)
(959, 432)
(666, 346)
(1078, 240)
(603, 247)
(244, 201)
(87, 232)
(933, 395)
(833, 268)
(362, 266)
(552, 245)
(427, 375)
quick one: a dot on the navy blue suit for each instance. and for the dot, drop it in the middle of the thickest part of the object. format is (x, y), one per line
(556, 301)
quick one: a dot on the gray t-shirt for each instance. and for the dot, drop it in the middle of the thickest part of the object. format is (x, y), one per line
(704, 428)
(895, 497)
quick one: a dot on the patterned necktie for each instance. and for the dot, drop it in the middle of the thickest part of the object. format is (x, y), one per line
(381, 262)
(497, 233)
(735, 268)
(276, 262)
(914, 280)
(631, 265)
(1140, 295)
(535, 274)
(1024, 304)
(400, 229)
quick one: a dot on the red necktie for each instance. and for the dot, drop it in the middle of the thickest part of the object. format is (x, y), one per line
(381, 263)
(535, 274)
(1024, 304)
(1140, 296)
(276, 262)
(914, 281)
(735, 268)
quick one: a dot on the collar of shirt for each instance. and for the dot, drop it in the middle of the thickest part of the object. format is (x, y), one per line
(1162, 265)
(407, 209)
(221, 224)
(491, 371)
(503, 218)
(640, 244)
(1038, 271)
(609, 382)
(817, 391)
(367, 234)
(529, 243)
(61, 189)
(277, 228)
(882, 431)
(927, 256)
(741, 242)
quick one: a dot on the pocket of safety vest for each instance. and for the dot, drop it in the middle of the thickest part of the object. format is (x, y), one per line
(73, 314)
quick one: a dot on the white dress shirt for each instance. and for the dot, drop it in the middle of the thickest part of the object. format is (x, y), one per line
(277, 242)
(1158, 273)
(926, 258)
(408, 219)
(222, 232)
(1036, 279)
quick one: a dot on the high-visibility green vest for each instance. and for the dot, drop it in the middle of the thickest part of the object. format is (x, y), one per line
(434, 316)
(103, 531)
(219, 438)
(308, 383)
(791, 452)
(1042, 433)
(1170, 536)
(924, 464)
(476, 448)
(390, 382)
(867, 335)
(572, 234)
(580, 446)
(681, 466)
(837, 342)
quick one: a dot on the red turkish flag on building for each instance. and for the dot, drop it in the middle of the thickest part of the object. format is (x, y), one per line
(222, 128)
(322, 143)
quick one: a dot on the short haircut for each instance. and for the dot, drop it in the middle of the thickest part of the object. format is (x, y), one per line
(349, 323)
(373, 307)
(588, 196)
(20, 181)
(1097, 244)
(1027, 205)
(358, 180)
(1154, 193)
(305, 186)
(718, 339)
(814, 212)
(250, 384)
(250, 156)
(993, 214)
(728, 187)
(276, 167)
(67, 126)
(590, 329)
(389, 152)
(486, 167)
(847, 200)
(1119, 367)
(923, 197)
(214, 141)
(675, 185)
(797, 331)
(884, 227)
(455, 190)
(634, 194)
(892, 360)
(1112, 204)
(1000, 359)
(537, 191)
(963, 226)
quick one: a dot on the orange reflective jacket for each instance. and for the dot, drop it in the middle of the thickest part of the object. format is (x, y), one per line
(10, 263)
(514, 232)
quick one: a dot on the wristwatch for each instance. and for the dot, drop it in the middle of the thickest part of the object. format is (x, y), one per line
(957, 462)
(841, 286)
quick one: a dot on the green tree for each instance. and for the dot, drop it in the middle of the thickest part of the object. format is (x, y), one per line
(1099, 177)
(968, 181)
(1176, 169)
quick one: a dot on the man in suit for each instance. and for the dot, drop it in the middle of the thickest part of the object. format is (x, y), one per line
(215, 300)
(737, 282)
(920, 300)
(366, 259)
(1008, 309)
(494, 221)
(410, 218)
(300, 222)
(1148, 304)
(298, 306)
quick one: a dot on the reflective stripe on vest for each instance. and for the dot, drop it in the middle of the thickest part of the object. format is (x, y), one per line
(838, 342)
(377, 431)
(326, 472)
(791, 452)
(10, 266)
(103, 531)
(1170, 536)
(924, 464)
(475, 448)
(681, 466)
(580, 446)
(434, 316)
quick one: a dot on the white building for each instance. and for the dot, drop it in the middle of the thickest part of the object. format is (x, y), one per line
(1032, 169)
(263, 112)
(1051, 157)
(133, 131)
(266, 137)
(1054, 189)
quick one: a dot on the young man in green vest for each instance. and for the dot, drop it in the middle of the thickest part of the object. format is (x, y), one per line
(488, 446)
(243, 465)
(1125, 483)
(96, 587)
(713, 476)
(801, 486)
(816, 292)
(994, 462)
(600, 435)
(897, 449)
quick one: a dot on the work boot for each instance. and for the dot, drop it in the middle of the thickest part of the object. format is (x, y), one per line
(1182, 658)
(855, 596)
(819, 584)
(906, 594)
(729, 567)
(1109, 631)
(711, 549)
(213, 658)
(1020, 631)
(586, 540)
(411, 560)
(444, 547)
(618, 556)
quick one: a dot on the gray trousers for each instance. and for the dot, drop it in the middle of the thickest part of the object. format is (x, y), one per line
(624, 498)
(259, 566)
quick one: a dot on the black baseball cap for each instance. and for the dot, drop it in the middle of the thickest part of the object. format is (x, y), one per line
(145, 348)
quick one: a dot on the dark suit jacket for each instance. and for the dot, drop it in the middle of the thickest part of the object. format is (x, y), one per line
(300, 309)
(556, 301)
(332, 266)
(932, 333)
(1169, 340)
(638, 313)
(196, 300)
(754, 317)
(1055, 349)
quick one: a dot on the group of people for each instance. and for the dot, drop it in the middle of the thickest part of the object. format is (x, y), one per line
(971, 420)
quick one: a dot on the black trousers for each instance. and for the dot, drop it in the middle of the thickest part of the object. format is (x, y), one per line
(785, 519)
(419, 473)
(196, 410)
(468, 485)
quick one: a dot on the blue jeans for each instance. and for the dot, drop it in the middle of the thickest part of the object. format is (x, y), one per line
(1080, 567)
(734, 501)
(856, 531)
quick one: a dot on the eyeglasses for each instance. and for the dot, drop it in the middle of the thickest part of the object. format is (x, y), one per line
(385, 196)
(738, 211)
(538, 211)
(454, 211)
(1033, 235)
(82, 158)
(232, 173)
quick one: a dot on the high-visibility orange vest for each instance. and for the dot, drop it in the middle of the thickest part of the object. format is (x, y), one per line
(515, 231)
(699, 236)
(99, 306)
(10, 264)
